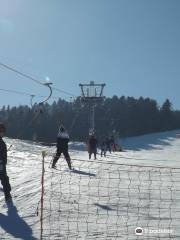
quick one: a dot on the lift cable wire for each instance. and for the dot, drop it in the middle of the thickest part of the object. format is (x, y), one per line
(34, 79)
(20, 73)
(25, 93)
(16, 92)
(62, 91)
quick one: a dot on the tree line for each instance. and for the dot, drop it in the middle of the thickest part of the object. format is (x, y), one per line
(122, 116)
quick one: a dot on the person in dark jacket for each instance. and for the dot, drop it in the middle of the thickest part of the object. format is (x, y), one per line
(103, 148)
(108, 144)
(3, 161)
(92, 146)
(112, 143)
(62, 147)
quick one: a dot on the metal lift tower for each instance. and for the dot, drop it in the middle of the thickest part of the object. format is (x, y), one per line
(92, 94)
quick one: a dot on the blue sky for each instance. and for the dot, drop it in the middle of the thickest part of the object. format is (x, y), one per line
(131, 45)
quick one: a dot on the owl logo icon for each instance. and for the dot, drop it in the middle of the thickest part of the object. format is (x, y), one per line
(139, 231)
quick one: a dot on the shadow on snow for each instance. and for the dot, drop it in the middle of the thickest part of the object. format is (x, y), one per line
(13, 224)
(104, 207)
(83, 173)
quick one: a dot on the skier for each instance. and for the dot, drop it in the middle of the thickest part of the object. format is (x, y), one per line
(103, 148)
(108, 144)
(92, 146)
(62, 147)
(112, 143)
(3, 161)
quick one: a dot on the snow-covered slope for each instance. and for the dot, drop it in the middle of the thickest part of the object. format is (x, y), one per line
(159, 149)
(105, 198)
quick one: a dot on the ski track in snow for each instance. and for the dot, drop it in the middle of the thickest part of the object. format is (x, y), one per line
(105, 198)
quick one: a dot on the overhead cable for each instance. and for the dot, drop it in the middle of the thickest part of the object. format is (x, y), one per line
(34, 79)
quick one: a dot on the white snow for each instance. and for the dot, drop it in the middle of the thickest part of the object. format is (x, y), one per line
(105, 198)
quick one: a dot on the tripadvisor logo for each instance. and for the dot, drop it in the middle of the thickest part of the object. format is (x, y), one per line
(139, 231)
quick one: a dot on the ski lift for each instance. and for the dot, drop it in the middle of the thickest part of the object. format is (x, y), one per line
(40, 106)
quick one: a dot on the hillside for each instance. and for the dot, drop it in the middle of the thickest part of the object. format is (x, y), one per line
(105, 198)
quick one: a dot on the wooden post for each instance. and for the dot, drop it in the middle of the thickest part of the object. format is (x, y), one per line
(42, 193)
